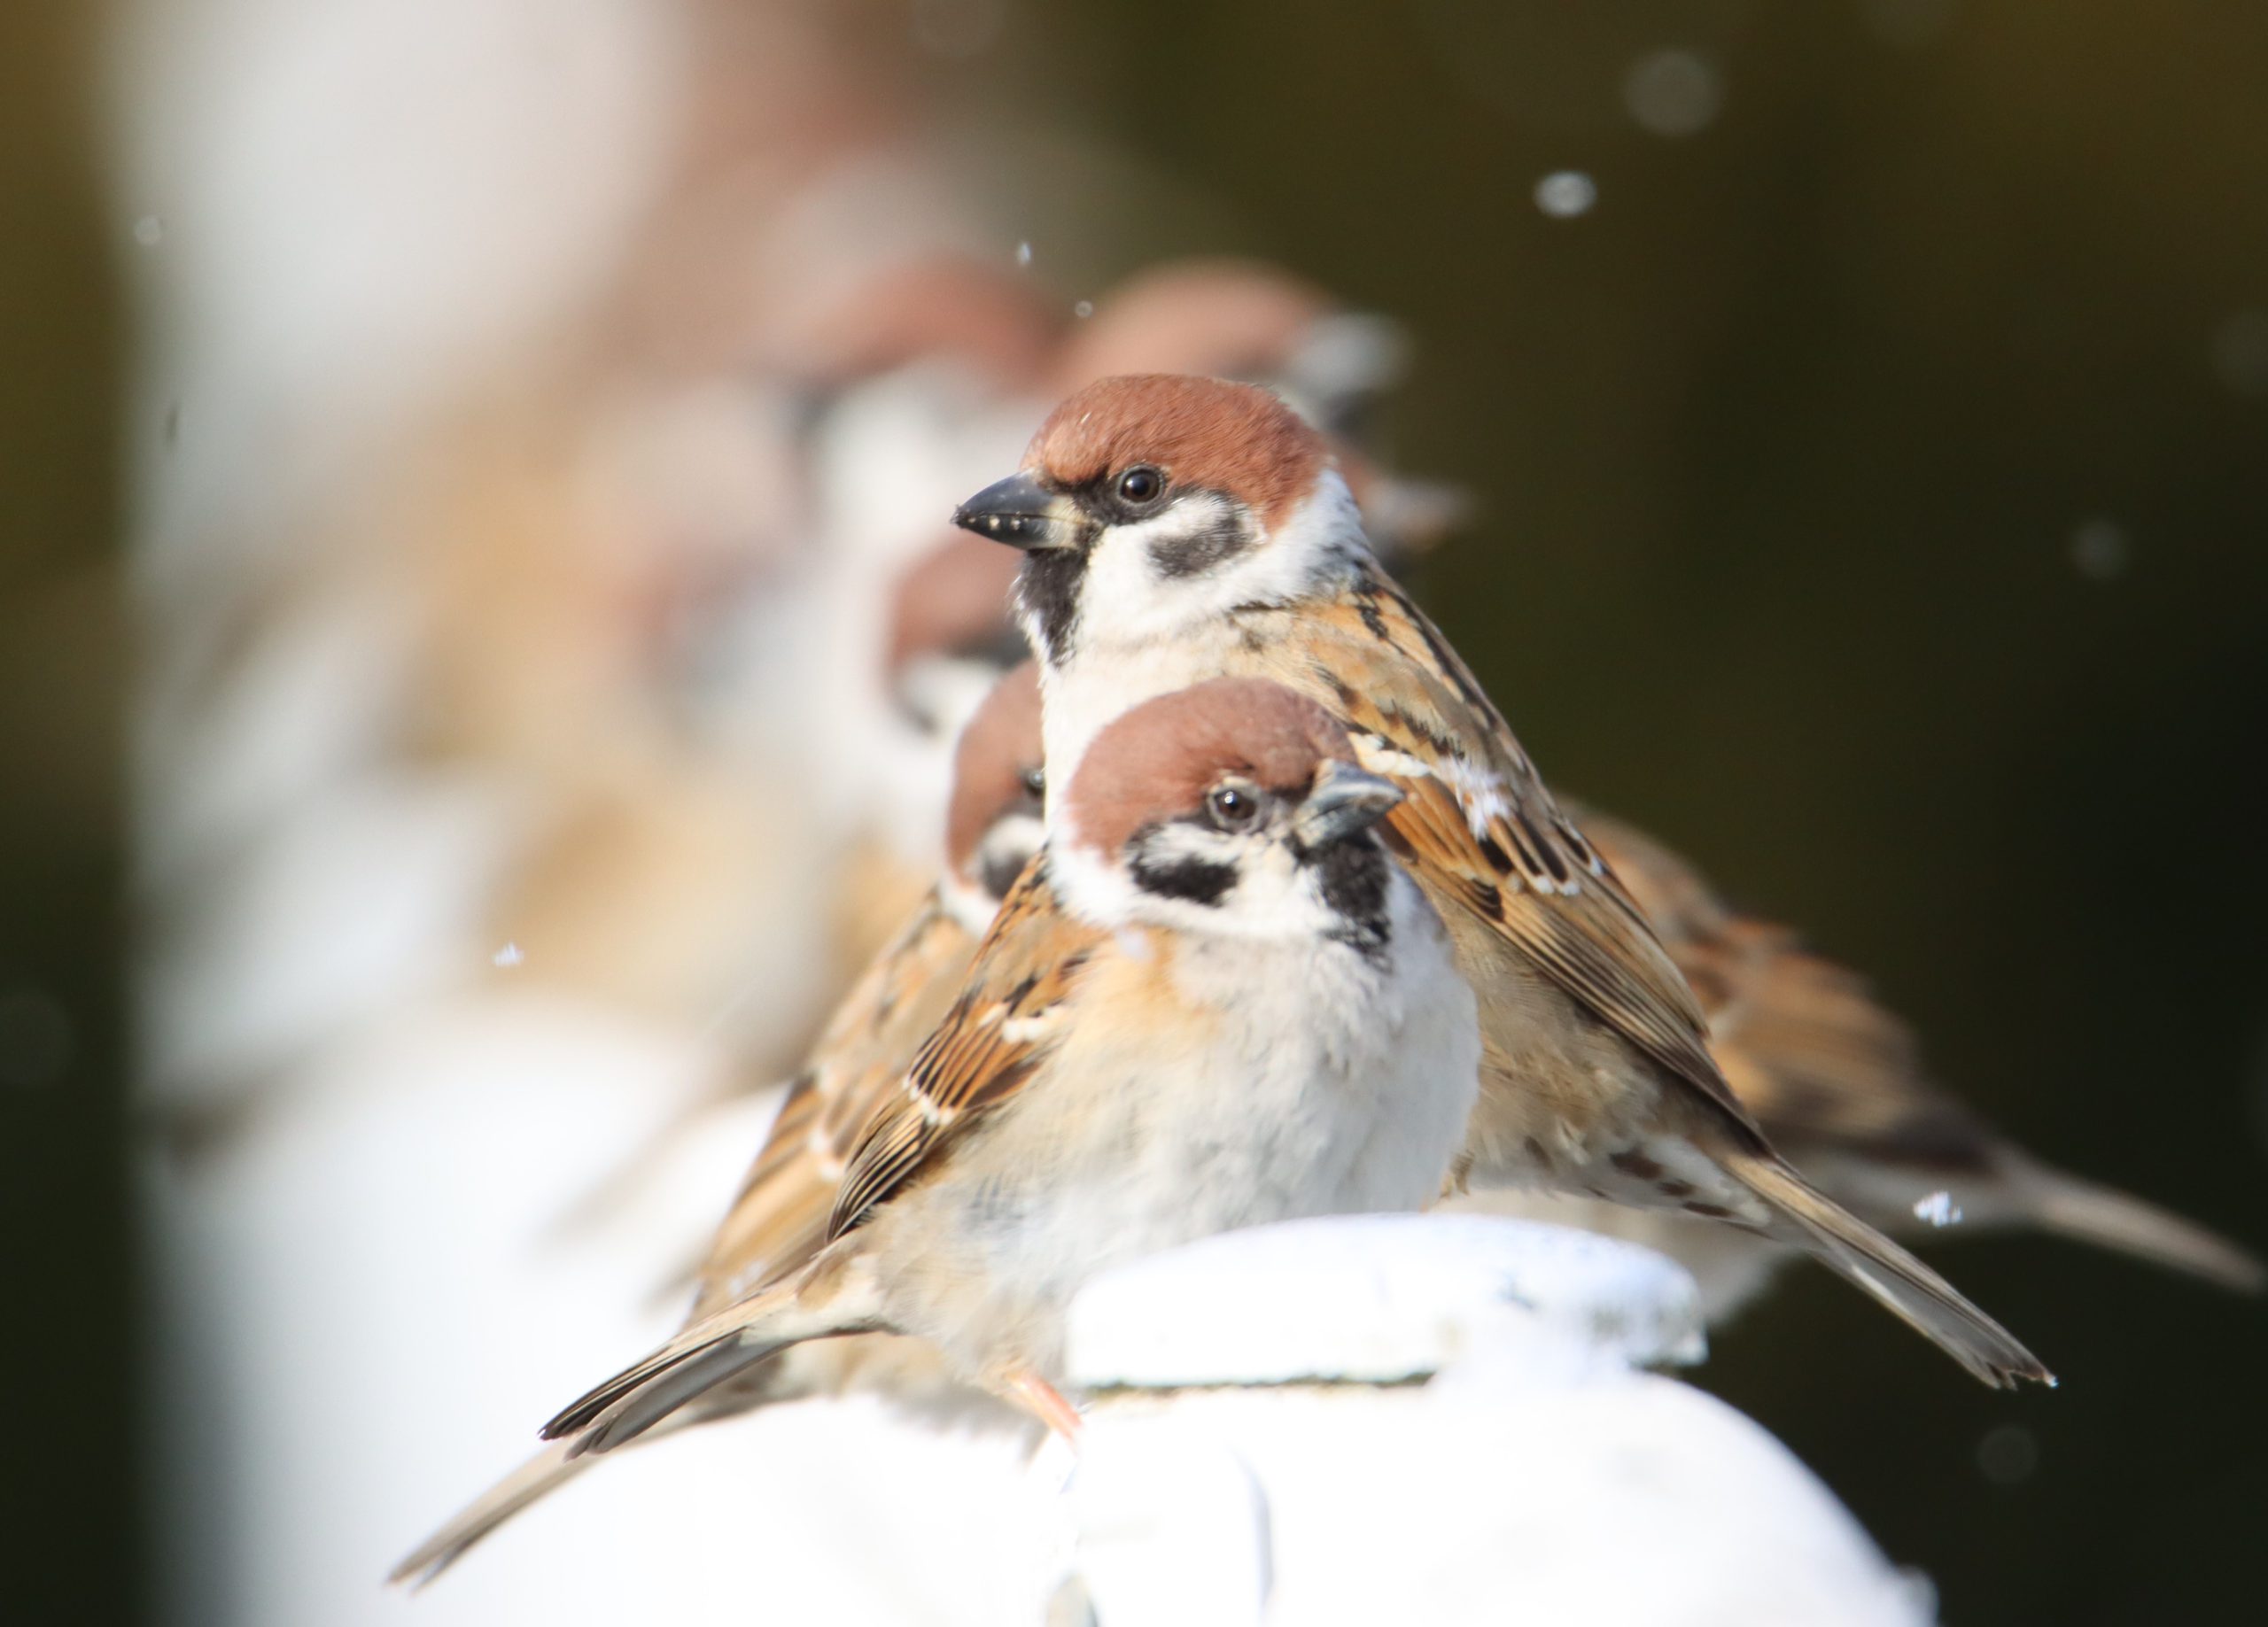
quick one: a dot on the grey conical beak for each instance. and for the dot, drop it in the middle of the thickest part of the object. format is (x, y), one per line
(1345, 799)
(1023, 513)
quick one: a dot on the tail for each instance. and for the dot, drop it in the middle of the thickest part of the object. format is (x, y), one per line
(541, 1474)
(1857, 1252)
(833, 1295)
(2110, 1219)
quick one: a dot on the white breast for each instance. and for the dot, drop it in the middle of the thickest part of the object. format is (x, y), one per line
(1300, 1080)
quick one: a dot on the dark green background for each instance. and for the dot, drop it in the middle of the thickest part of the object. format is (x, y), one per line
(1781, 452)
(70, 1528)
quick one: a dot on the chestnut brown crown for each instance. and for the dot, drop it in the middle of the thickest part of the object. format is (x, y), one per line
(1207, 433)
(1159, 760)
(995, 765)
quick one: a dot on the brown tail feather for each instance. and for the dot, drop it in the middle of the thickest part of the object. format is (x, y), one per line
(1872, 1262)
(624, 1409)
(540, 1475)
(2110, 1219)
(833, 1296)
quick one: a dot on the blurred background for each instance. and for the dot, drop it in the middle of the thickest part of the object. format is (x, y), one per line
(451, 448)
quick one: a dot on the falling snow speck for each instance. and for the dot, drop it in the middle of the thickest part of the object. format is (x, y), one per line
(149, 232)
(1938, 1209)
(1023, 254)
(1083, 309)
(1566, 194)
(2099, 551)
(511, 955)
(1672, 93)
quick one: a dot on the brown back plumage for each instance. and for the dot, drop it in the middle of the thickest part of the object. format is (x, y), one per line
(1838, 1084)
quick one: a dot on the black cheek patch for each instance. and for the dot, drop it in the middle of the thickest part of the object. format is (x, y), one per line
(1354, 877)
(1201, 881)
(1000, 870)
(1048, 588)
(1222, 537)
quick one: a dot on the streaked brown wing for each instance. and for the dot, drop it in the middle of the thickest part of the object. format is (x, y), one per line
(1010, 1014)
(1479, 829)
(780, 1219)
(1802, 1039)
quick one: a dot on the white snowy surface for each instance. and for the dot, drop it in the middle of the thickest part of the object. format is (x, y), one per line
(1379, 1297)
(1538, 1476)
(1629, 1500)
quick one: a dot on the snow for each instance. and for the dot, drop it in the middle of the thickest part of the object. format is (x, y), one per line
(1379, 1298)
(1540, 1474)
(1567, 193)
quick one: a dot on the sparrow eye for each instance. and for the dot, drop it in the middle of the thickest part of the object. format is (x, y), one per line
(1232, 807)
(1141, 485)
(1034, 781)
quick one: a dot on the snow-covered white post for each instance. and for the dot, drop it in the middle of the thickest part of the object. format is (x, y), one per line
(1437, 1419)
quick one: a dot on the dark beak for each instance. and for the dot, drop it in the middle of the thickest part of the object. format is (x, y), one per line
(1345, 799)
(1023, 513)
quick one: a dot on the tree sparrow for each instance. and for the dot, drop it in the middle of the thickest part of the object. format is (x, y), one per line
(1213, 1001)
(1178, 530)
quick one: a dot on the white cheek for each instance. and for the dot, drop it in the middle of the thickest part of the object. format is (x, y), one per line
(1089, 887)
(1127, 599)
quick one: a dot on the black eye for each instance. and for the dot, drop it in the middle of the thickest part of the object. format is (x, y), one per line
(1232, 807)
(1141, 485)
(1034, 782)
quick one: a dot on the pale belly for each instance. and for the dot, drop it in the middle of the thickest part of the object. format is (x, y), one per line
(1136, 1142)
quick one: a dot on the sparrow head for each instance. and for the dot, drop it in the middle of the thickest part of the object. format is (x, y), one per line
(1170, 499)
(951, 632)
(1232, 807)
(992, 823)
(1244, 320)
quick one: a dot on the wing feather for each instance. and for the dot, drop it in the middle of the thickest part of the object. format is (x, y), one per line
(1011, 1013)
(779, 1221)
(1808, 1048)
(1479, 830)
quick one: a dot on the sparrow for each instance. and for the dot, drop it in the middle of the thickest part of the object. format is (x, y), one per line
(779, 1219)
(1211, 1001)
(1178, 530)
(1837, 1083)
